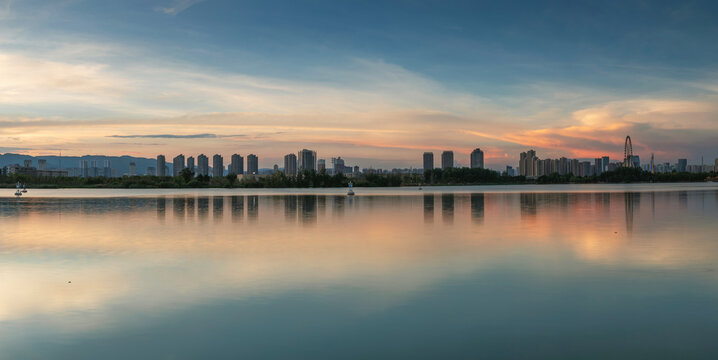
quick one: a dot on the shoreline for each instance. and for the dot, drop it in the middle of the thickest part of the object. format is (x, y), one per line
(361, 192)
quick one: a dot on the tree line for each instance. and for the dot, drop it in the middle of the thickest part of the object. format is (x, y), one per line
(313, 179)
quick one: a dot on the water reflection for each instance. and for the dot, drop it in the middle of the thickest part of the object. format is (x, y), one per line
(360, 263)
(290, 208)
(190, 207)
(309, 208)
(161, 204)
(477, 207)
(203, 208)
(252, 207)
(178, 208)
(338, 205)
(429, 208)
(529, 203)
(447, 208)
(237, 208)
(218, 208)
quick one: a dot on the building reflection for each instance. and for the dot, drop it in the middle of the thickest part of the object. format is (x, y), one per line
(309, 208)
(477, 208)
(529, 204)
(631, 201)
(683, 199)
(290, 208)
(178, 208)
(202, 208)
(252, 207)
(447, 208)
(428, 208)
(190, 207)
(237, 208)
(339, 204)
(218, 208)
(321, 206)
(161, 208)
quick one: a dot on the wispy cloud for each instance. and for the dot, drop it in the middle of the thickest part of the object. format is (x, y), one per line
(176, 7)
(76, 96)
(167, 136)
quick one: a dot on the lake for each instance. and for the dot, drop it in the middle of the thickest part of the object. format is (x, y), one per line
(492, 272)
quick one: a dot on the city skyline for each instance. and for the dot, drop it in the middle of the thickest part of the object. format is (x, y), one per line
(446, 159)
(363, 86)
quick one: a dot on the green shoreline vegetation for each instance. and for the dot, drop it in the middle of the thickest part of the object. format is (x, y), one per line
(311, 179)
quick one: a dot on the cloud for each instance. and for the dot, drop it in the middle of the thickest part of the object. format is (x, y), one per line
(59, 94)
(176, 7)
(166, 136)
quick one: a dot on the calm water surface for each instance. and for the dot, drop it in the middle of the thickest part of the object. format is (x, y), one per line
(574, 272)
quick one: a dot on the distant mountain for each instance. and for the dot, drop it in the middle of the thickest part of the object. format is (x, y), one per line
(121, 163)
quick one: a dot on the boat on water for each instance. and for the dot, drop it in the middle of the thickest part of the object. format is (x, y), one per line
(351, 190)
(17, 190)
(24, 188)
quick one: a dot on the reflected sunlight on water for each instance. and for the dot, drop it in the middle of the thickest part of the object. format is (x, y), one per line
(95, 272)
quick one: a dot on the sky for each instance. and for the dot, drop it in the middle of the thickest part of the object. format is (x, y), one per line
(375, 82)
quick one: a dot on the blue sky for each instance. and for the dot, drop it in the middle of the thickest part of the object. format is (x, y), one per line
(377, 82)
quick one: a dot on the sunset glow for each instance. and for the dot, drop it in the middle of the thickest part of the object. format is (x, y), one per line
(146, 78)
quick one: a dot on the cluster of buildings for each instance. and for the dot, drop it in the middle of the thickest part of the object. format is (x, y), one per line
(27, 169)
(531, 166)
(293, 164)
(447, 159)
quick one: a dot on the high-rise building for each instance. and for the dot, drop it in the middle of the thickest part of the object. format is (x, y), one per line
(575, 167)
(252, 164)
(682, 165)
(584, 169)
(177, 165)
(290, 165)
(604, 162)
(161, 165)
(190, 164)
(338, 165)
(321, 165)
(217, 166)
(93, 168)
(307, 160)
(42, 164)
(528, 164)
(106, 169)
(477, 159)
(598, 164)
(636, 160)
(133, 169)
(447, 159)
(84, 169)
(237, 166)
(428, 161)
(203, 164)
(151, 171)
(563, 166)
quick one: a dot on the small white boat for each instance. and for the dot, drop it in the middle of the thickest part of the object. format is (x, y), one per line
(24, 188)
(351, 191)
(17, 190)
